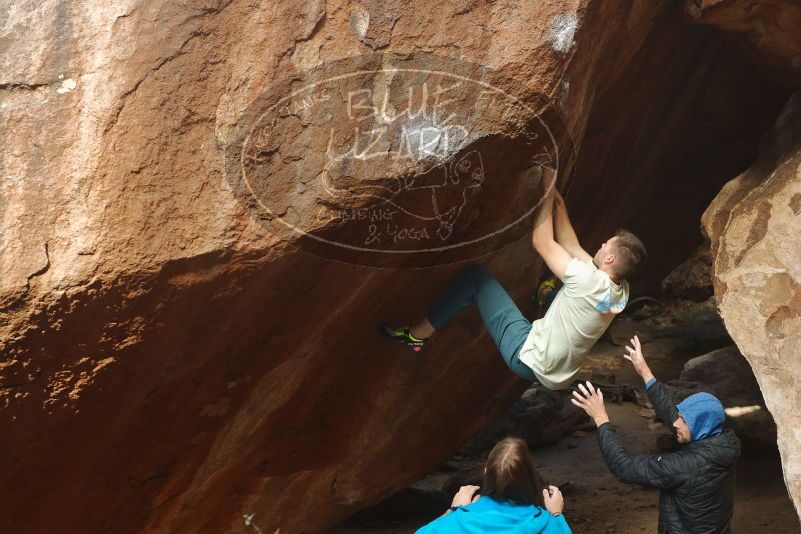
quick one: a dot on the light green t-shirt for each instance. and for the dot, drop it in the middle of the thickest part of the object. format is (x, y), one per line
(577, 317)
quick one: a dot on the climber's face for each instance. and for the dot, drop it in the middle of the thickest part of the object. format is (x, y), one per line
(606, 254)
(682, 430)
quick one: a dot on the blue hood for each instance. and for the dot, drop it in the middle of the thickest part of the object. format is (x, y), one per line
(704, 414)
(487, 515)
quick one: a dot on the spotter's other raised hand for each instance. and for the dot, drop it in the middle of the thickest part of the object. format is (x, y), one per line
(591, 400)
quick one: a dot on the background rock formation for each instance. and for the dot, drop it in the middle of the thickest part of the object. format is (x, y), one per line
(767, 30)
(170, 365)
(754, 225)
(692, 279)
(726, 374)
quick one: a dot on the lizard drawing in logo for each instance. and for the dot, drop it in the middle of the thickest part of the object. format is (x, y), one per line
(449, 185)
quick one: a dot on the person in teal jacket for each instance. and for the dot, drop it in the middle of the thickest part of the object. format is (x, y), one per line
(515, 500)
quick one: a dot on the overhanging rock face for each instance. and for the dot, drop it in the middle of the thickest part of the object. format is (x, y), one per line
(754, 224)
(171, 362)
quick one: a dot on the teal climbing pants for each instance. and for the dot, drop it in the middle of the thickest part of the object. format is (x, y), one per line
(505, 324)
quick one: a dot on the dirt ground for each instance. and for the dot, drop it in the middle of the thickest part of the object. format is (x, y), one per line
(597, 503)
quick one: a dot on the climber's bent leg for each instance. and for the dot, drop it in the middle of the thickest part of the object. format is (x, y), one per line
(505, 324)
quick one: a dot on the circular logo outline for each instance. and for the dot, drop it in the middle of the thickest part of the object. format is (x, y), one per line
(237, 139)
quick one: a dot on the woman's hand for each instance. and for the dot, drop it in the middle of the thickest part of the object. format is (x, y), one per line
(636, 358)
(591, 402)
(466, 495)
(554, 502)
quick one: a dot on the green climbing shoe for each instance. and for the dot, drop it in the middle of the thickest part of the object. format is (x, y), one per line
(402, 335)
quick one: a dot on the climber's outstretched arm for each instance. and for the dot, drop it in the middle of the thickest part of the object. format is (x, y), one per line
(542, 237)
(564, 233)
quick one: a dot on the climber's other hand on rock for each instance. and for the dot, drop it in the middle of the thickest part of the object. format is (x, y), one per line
(548, 180)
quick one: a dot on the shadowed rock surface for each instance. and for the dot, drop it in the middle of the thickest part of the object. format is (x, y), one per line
(692, 279)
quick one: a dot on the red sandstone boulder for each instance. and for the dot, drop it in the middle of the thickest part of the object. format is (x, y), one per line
(170, 361)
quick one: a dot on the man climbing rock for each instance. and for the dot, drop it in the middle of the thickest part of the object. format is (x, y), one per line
(696, 483)
(551, 349)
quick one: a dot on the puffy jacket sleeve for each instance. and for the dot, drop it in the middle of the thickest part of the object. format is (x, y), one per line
(664, 403)
(664, 472)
